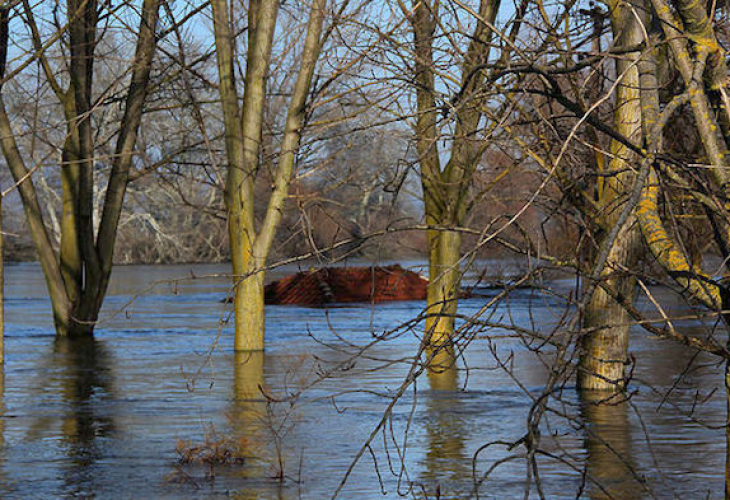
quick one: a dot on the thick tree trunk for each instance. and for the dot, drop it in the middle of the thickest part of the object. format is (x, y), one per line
(84, 317)
(604, 350)
(604, 347)
(442, 296)
(248, 308)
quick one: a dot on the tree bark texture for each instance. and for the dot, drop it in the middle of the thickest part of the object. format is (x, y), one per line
(604, 345)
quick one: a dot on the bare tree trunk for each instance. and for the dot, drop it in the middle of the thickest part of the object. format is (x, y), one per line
(249, 314)
(243, 131)
(445, 191)
(249, 404)
(443, 288)
(604, 346)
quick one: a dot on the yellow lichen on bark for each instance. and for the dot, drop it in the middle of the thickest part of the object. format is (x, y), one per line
(666, 251)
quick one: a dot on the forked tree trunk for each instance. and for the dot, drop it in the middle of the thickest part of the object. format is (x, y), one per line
(78, 276)
(243, 131)
(445, 190)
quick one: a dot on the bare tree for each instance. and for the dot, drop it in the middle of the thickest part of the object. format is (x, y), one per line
(446, 188)
(78, 274)
(250, 246)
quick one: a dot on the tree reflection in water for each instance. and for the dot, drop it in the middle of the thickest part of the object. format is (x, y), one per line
(446, 464)
(84, 380)
(611, 470)
(255, 494)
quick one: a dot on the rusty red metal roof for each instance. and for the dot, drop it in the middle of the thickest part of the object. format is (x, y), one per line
(331, 285)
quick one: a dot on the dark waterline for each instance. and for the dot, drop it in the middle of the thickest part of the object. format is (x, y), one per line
(102, 419)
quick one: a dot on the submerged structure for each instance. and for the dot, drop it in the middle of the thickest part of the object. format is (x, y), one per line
(333, 285)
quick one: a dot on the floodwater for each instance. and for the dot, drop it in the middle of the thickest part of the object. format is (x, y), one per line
(111, 418)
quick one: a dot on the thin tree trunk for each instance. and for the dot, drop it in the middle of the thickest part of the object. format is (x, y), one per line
(28, 195)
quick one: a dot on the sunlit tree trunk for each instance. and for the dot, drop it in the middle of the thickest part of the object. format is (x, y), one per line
(604, 346)
(445, 189)
(249, 403)
(443, 292)
(249, 313)
(243, 131)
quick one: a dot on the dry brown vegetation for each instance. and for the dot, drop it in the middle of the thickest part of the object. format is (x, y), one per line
(215, 449)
